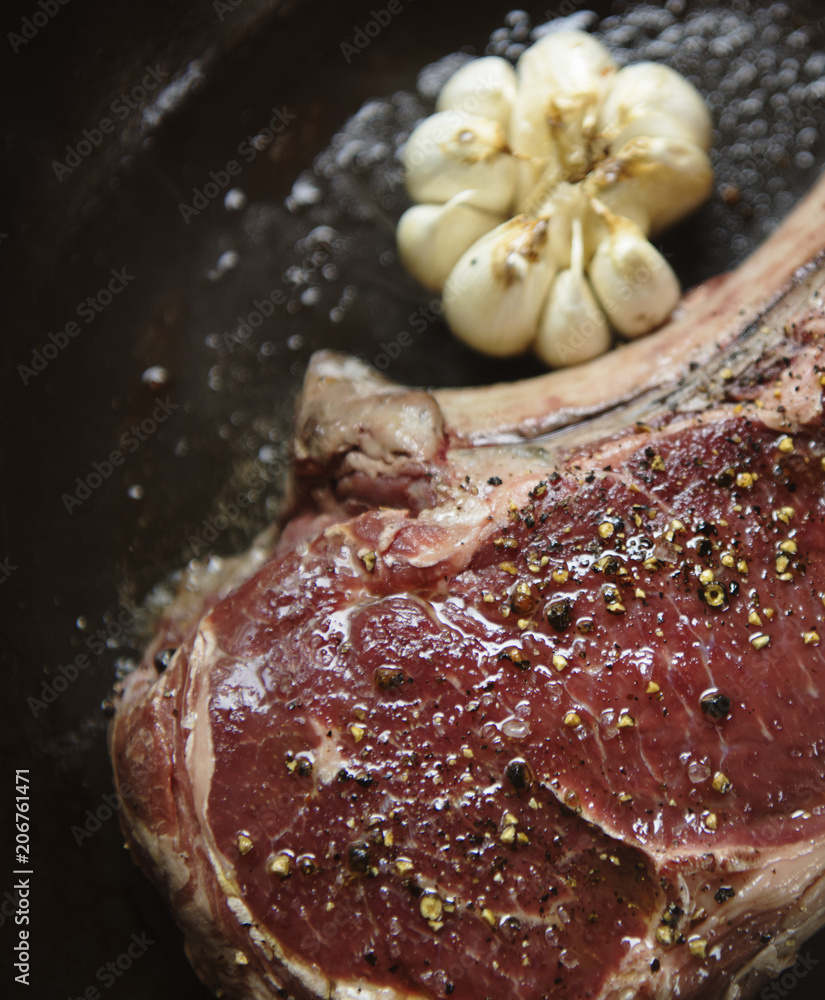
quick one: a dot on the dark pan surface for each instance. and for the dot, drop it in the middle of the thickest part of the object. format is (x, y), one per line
(316, 235)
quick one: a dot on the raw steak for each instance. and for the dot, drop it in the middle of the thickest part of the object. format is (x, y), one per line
(526, 699)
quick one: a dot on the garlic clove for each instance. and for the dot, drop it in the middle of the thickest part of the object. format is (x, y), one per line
(452, 151)
(651, 99)
(494, 294)
(655, 181)
(572, 327)
(635, 285)
(562, 79)
(485, 87)
(431, 238)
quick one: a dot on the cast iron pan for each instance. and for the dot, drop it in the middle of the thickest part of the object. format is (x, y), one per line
(119, 117)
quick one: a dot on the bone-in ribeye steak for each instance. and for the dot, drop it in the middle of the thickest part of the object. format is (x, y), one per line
(527, 698)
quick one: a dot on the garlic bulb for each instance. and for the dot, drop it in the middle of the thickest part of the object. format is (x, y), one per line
(591, 160)
(635, 284)
(572, 327)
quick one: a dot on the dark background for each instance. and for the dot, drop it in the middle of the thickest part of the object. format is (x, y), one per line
(68, 575)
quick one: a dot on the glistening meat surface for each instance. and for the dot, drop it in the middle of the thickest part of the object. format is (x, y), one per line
(509, 720)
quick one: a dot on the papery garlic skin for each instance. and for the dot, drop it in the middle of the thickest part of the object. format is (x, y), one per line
(485, 87)
(590, 160)
(572, 327)
(432, 238)
(501, 282)
(453, 151)
(635, 285)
